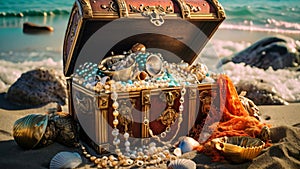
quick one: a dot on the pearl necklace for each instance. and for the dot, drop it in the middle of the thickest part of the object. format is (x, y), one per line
(168, 129)
(154, 152)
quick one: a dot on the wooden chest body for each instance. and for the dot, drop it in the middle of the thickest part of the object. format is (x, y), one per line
(93, 109)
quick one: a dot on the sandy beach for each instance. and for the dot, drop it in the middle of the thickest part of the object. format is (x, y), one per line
(246, 23)
(285, 136)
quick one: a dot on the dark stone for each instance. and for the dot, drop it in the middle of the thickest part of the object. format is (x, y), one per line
(37, 88)
(31, 28)
(260, 93)
(276, 52)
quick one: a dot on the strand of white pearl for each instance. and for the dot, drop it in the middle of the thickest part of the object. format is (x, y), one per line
(180, 119)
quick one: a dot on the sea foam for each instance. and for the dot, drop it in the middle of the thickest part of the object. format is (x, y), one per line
(285, 82)
(10, 71)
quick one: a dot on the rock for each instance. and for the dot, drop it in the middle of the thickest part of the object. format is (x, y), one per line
(38, 87)
(31, 28)
(276, 52)
(260, 93)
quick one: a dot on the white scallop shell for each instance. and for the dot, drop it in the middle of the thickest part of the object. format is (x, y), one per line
(182, 164)
(188, 144)
(177, 152)
(65, 160)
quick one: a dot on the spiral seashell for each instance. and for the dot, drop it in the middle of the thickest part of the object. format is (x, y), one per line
(182, 164)
(239, 148)
(29, 130)
(187, 144)
(65, 160)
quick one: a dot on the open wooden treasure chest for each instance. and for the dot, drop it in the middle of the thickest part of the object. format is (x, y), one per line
(131, 71)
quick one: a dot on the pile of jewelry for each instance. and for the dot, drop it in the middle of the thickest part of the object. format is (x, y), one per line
(134, 71)
(138, 70)
(145, 156)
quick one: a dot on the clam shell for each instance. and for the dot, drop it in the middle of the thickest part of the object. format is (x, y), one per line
(188, 144)
(65, 160)
(182, 164)
(29, 130)
(239, 149)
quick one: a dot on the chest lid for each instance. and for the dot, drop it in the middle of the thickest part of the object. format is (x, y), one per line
(178, 29)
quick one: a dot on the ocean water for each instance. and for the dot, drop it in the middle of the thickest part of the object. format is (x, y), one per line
(246, 22)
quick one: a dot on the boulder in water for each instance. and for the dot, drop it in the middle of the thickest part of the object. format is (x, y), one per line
(38, 87)
(31, 28)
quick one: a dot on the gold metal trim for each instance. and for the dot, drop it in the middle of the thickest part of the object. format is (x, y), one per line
(125, 118)
(112, 6)
(169, 116)
(206, 100)
(220, 10)
(185, 11)
(155, 13)
(87, 11)
(146, 104)
(102, 116)
(103, 102)
(123, 11)
(75, 38)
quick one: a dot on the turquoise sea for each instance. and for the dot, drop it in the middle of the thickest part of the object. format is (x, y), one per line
(246, 22)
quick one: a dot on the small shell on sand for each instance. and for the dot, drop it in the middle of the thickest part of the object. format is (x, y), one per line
(187, 144)
(65, 160)
(182, 164)
(239, 148)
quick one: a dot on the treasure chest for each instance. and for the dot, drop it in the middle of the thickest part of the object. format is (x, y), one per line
(130, 68)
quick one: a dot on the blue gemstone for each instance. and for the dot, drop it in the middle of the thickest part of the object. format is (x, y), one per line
(172, 84)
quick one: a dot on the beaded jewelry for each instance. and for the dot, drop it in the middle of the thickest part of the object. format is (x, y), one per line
(168, 129)
(91, 77)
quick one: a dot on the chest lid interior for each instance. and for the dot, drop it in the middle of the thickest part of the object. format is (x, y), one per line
(178, 29)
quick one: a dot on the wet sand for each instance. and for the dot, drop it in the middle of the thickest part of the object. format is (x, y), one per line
(285, 121)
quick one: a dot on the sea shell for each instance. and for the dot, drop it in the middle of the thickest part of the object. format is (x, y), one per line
(65, 160)
(249, 105)
(182, 164)
(265, 133)
(67, 129)
(177, 152)
(187, 144)
(29, 130)
(239, 148)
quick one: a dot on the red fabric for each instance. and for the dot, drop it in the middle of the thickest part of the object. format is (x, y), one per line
(228, 117)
